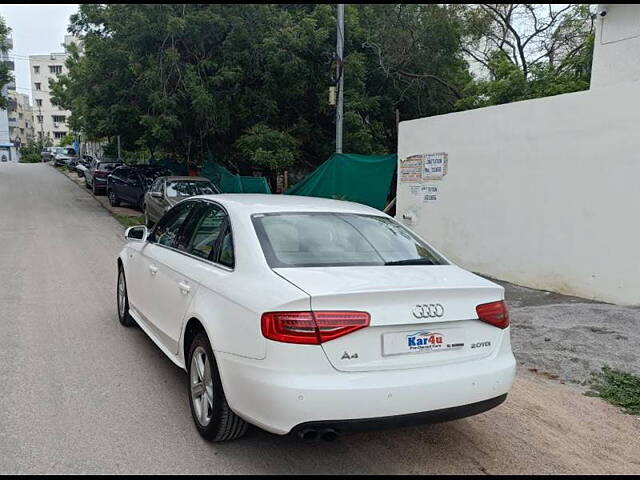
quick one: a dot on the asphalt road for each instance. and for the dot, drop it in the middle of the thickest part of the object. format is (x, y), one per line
(81, 394)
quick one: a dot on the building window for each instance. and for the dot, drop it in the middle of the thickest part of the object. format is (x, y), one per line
(59, 118)
(36, 69)
(58, 135)
(39, 102)
(20, 115)
(39, 118)
(38, 85)
(55, 69)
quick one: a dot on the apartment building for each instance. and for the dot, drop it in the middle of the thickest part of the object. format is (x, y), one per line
(21, 121)
(8, 151)
(49, 120)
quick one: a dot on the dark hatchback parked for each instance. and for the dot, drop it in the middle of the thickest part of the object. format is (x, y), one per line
(95, 177)
(128, 183)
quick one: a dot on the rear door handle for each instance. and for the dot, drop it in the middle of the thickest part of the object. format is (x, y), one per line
(153, 269)
(184, 287)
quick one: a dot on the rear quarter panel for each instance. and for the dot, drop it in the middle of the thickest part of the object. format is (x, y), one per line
(230, 304)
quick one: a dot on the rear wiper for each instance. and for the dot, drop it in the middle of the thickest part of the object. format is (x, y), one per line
(411, 261)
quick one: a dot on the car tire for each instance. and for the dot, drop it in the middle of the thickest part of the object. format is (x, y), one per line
(114, 201)
(213, 417)
(122, 300)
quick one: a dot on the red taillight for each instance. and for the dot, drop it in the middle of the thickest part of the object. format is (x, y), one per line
(494, 313)
(311, 328)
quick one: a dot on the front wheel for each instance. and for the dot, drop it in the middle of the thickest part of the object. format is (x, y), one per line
(123, 301)
(214, 419)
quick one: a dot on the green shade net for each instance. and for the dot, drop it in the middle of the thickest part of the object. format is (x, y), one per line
(346, 176)
(231, 183)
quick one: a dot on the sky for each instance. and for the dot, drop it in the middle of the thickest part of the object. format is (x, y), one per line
(36, 30)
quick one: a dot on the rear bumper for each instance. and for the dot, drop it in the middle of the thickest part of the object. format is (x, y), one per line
(296, 386)
(397, 421)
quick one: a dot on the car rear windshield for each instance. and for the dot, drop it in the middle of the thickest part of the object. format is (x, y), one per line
(108, 166)
(189, 188)
(339, 239)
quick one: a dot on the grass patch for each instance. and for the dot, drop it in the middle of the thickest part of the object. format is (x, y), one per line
(129, 220)
(616, 387)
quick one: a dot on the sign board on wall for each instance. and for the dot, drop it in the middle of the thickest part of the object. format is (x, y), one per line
(435, 166)
(427, 166)
(426, 192)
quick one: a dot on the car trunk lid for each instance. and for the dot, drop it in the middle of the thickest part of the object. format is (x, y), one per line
(420, 315)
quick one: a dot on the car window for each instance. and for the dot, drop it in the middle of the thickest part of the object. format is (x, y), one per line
(189, 188)
(226, 255)
(133, 176)
(167, 230)
(120, 172)
(338, 239)
(157, 186)
(208, 226)
(108, 166)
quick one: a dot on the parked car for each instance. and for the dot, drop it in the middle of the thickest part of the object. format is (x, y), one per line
(167, 191)
(312, 316)
(83, 164)
(128, 183)
(47, 154)
(95, 177)
(64, 156)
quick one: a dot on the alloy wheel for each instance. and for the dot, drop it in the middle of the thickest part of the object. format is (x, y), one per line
(201, 386)
(122, 295)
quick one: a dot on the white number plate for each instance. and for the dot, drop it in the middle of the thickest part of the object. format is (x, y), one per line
(422, 341)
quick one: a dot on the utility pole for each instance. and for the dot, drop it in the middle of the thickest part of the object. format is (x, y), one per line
(119, 157)
(340, 76)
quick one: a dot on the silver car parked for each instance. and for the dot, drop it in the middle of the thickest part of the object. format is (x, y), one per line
(165, 192)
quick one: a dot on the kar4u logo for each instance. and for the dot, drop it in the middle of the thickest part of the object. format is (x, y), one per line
(425, 339)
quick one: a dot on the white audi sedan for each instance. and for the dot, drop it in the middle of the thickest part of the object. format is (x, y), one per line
(312, 316)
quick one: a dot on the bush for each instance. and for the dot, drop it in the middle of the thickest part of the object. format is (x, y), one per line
(30, 158)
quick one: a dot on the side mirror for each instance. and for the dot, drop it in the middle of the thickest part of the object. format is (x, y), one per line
(156, 194)
(138, 233)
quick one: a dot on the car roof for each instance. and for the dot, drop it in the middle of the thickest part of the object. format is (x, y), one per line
(250, 203)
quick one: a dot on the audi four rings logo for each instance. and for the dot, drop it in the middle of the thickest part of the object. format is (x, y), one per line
(428, 310)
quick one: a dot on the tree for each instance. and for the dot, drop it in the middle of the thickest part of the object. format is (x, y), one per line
(526, 51)
(5, 72)
(269, 148)
(68, 139)
(249, 85)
